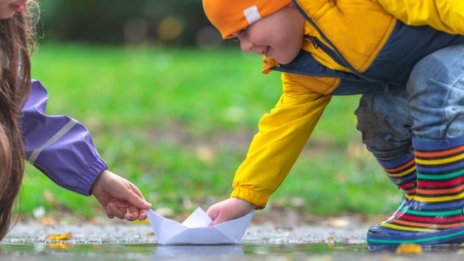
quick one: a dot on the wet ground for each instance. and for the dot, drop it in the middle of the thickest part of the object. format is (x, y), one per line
(261, 242)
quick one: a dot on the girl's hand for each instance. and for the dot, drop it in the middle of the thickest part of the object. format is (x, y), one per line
(229, 209)
(120, 197)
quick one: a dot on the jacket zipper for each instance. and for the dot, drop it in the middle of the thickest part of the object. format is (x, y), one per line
(313, 40)
(332, 51)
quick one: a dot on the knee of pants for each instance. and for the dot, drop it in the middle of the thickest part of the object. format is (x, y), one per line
(444, 68)
(385, 124)
(436, 94)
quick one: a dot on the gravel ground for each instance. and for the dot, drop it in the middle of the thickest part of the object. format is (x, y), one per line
(142, 234)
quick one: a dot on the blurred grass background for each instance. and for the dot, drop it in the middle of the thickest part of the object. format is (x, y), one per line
(178, 121)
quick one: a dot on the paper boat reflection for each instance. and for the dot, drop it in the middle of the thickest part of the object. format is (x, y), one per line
(205, 250)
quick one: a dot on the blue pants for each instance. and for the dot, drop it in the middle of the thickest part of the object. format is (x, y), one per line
(430, 106)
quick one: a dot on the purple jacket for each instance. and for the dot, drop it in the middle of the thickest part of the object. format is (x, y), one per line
(59, 146)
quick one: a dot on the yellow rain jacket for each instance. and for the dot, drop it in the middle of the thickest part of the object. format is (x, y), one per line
(351, 47)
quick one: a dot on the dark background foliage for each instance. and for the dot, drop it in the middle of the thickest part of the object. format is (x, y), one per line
(173, 22)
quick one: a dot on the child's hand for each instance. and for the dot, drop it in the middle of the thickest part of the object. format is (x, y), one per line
(120, 197)
(229, 209)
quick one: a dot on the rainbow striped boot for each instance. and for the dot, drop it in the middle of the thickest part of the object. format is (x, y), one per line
(402, 172)
(434, 216)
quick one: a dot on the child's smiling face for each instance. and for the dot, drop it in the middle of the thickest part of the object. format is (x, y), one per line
(278, 36)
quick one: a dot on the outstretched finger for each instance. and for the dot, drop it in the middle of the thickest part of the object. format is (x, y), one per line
(134, 197)
(136, 190)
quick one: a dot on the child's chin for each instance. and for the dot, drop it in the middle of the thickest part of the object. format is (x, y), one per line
(287, 59)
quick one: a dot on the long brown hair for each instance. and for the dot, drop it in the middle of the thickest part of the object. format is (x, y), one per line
(16, 42)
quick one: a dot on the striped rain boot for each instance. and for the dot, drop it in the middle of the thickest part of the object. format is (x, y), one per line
(434, 216)
(402, 172)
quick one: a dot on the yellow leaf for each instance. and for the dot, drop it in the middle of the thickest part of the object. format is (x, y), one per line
(59, 245)
(138, 221)
(409, 249)
(330, 241)
(57, 237)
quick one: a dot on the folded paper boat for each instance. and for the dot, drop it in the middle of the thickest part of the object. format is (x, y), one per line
(196, 229)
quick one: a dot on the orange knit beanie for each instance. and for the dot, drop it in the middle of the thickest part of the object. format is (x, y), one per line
(230, 16)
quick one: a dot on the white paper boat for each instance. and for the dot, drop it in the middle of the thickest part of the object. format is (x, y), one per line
(196, 229)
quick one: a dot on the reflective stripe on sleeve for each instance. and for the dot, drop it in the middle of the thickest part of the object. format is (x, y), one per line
(66, 128)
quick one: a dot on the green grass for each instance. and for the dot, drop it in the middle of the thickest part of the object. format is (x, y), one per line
(177, 122)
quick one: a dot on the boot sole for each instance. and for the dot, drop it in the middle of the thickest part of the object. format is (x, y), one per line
(449, 237)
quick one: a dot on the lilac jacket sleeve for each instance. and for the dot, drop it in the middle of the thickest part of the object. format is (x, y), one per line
(59, 146)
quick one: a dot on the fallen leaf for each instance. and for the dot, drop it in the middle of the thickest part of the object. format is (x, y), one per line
(57, 237)
(46, 221)
(409, 249)
(138, 221)
(59, 245)
(330, 241)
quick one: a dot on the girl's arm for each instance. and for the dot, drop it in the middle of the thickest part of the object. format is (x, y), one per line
(62, 148)
(59, 146)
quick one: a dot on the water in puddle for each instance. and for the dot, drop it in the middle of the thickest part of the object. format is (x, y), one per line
(109, 242)
(325, 252)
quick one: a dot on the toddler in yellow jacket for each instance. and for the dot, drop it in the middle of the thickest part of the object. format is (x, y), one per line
(406, 60)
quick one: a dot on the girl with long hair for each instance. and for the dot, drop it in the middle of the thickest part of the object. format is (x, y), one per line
(59, 146)
(16, 41)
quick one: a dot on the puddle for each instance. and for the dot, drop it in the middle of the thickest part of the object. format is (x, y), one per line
(68, 252)
(261, 243)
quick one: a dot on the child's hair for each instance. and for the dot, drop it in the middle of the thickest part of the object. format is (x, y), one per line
(232, 16)
(16, 44)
